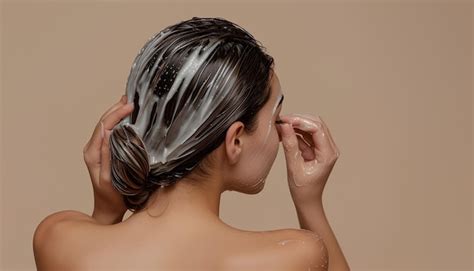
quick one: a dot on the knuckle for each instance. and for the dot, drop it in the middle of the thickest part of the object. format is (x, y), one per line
(86, 158)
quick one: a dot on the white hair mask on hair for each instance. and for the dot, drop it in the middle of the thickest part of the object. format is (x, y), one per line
(189, 83)
(169, 133)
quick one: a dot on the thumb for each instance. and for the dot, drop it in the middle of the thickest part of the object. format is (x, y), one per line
(290, 146)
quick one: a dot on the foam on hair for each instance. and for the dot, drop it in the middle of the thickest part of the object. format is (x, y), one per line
(188, 83)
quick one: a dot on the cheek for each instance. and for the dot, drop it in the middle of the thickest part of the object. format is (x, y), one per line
(265, 147)
(271, 138)
(270, 147)
(274, 143)
(270, 153)
(263, 151)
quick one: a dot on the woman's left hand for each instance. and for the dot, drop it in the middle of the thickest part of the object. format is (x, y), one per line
(109, 206)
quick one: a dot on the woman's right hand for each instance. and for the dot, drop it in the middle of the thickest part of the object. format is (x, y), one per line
(310, 154)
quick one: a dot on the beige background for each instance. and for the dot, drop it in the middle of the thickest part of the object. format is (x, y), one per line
(393, 81)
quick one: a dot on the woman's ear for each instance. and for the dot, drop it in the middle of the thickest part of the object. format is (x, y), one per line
(234, 142)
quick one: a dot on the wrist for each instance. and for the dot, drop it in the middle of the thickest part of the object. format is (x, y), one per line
(302, 200)
(313, 205)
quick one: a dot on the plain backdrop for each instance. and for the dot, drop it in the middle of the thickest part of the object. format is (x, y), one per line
(392, 80)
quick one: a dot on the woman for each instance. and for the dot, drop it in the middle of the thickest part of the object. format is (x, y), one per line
(200, 117)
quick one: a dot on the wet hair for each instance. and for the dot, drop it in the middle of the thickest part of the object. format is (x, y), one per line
(141, 157)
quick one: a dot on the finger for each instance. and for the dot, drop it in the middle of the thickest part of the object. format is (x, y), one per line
(305, 142)
(105, 159)
(328, 135)
(123, 101)
(326, 128)
(108, 123)
(301, 123)
(305, 116)
(307, 151)
(322, 144)
(114, 117)
(290, 145)
(306, 136)
(97, 129)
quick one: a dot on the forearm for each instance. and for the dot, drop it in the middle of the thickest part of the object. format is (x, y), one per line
(313, 218)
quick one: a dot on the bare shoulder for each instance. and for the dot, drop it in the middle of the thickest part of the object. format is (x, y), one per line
(283, 249)
(56, 236)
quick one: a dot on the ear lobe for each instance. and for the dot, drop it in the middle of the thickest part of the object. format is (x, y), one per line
(233, 142)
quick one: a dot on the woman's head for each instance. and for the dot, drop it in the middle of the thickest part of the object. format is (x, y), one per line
(196, 85)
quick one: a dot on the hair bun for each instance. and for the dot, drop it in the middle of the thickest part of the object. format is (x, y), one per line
(130, 166)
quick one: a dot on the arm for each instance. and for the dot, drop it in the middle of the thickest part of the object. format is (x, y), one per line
(314, 219)
(308, 168)
(109, 207)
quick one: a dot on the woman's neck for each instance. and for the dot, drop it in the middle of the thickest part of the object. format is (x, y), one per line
(189, 197)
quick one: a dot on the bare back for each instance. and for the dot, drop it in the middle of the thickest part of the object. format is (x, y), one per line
(138, 244)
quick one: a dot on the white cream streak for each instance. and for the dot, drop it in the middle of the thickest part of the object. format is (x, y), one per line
(164, 144)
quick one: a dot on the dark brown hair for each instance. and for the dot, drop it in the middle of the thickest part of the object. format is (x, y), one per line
(132, 174)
